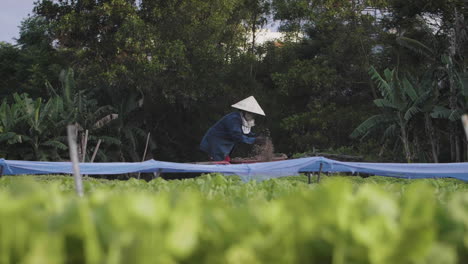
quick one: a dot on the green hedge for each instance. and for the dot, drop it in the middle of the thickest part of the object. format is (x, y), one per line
(221, 220)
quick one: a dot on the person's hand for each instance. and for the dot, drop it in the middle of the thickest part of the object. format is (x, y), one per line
(260, 140)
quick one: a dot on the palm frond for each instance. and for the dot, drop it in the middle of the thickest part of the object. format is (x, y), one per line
(105, 120)
(139, 132)
(68, 84)
(25, 138)
(409, 89)
(441, 112)
(416, 46)
(463, 82)
(390, 132)
(104, 110)
(56, 144)
(129, 139)
(7, 136)
(382, 84)
(423, 98)
(455, 115)
(370, 124)
(411, 112)
(110, 140)
(50, 88)
(425, 101)
(384, 103)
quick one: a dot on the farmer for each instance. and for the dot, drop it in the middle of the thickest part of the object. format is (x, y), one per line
(232, 129)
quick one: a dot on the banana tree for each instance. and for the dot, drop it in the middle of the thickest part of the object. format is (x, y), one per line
(449, 70)
(127, 128)
(395, 104)
(423, 95)
(82, 110)
(45, 127)
(10, 118)
(31, 128)
(455, 104)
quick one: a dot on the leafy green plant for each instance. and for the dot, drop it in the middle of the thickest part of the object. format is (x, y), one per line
(217, 219)
(32, 128)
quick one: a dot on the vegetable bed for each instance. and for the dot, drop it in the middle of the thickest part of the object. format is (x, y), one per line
(214, 219)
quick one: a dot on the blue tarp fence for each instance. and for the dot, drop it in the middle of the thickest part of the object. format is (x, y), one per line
(247, 172)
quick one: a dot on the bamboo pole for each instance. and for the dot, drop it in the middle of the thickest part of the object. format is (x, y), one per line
(94, 153)
(144, 153)
(465, 124)
(74, 158)
(95, 150)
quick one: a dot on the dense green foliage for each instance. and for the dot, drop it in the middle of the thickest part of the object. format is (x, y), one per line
(172, 68)
(214, 219)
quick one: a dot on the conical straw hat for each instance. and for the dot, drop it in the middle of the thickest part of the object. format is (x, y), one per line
(249, 104)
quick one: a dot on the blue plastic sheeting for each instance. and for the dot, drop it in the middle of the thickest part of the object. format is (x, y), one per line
(255, 171)
(400, 170)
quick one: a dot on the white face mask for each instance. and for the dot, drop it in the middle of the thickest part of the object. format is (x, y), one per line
(247, 125)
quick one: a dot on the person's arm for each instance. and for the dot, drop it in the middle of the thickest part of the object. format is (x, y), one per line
(251, 134)
(234, 126)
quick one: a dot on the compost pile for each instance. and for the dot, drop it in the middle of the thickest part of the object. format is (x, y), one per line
(262, 153)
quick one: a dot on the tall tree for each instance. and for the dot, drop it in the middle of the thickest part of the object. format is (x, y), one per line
(170, 56)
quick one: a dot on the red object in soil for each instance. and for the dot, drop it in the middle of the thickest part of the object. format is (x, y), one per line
(223, 162)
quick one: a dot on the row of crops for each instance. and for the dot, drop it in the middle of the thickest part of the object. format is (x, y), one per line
(213, 219)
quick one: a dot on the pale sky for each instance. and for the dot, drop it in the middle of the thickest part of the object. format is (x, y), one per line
(12, 12)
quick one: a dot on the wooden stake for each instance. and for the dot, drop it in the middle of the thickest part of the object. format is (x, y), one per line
(74, 158)
(95, 150)
(144, 153)
(320, 171)
(465, 124)
(94, 153)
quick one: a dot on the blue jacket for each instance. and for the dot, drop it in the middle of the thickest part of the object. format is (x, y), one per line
(221, 138)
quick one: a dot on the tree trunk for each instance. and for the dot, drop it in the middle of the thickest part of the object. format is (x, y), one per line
(416, 155)
(452, 143)
(254, 32)
(36, 148)
(431, 133)
(404, 138)
(453, 107)
(80, 145)
(457, 146)
(367, 66)
(466, 150)
(465, 147)
(382, 149)
(437, 140)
